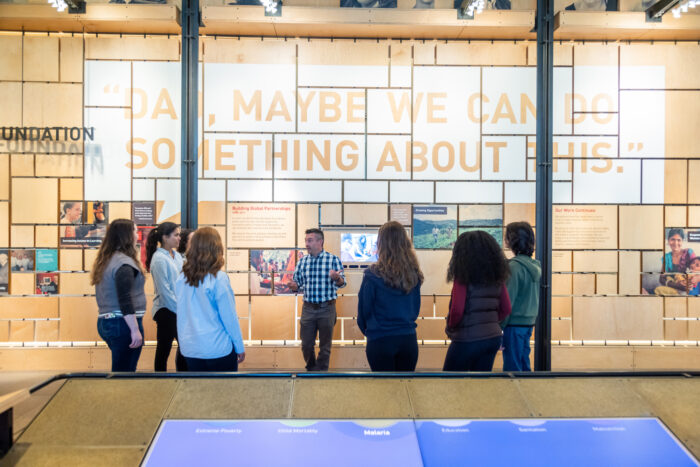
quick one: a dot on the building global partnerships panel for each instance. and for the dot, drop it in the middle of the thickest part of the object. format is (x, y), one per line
(573, 442)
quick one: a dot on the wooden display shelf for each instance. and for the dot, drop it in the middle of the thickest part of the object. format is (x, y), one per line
(105, 18)
(373, 23)
(618, 25)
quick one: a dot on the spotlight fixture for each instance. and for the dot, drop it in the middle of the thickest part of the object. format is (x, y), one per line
(676, 7)
(469, 8)
(59, 5)
(682, 7)
(272, 7)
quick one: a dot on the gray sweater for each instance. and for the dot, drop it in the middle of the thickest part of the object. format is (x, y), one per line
(106, 289)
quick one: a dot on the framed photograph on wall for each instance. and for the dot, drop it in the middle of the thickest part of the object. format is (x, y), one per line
(434, 227)
(22, 260)
(47, 283)
(681, 246)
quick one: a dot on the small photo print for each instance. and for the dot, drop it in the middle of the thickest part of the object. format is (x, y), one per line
(434, 227)
(97, 213)
(481, 215)
(670, 284)
(47, 283)
(681, 246)
(46, 260)
(271, 271)
(22, 260)
(4, 271)
(76, 231)
(495, 232)
(71, 213)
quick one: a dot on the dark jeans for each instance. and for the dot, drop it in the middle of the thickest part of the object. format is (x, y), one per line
(227, 363)
(472, 356)
(166, 324)
(516, 348)
(393, 353)
(321, 320)
(116, 333)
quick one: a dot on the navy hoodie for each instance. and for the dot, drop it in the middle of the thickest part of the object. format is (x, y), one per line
(385, 311)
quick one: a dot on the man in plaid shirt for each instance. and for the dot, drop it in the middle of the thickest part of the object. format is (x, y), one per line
(319, 275)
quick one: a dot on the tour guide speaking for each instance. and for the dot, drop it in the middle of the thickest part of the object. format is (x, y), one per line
(319, 275)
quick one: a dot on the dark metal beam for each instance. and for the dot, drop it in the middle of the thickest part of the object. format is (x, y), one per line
(188, 119)
(659, 8)
(545, 85)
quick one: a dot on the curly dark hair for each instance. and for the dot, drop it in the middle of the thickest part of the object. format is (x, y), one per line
(520, 238)
(477, 259)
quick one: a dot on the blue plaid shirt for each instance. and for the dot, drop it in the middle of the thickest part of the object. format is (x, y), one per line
(312, 274)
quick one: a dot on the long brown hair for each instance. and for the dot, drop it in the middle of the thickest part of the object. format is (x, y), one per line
(397, 264)
(205, 255)
(119, 237)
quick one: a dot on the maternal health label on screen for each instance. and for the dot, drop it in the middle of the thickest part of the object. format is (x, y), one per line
(571, 442)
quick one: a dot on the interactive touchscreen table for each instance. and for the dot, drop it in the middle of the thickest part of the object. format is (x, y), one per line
(407, 443)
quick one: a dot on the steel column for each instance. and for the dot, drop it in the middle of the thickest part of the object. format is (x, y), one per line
(188, 119)
(545, 83)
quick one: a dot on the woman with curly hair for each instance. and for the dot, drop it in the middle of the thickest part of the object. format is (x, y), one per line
(389, 302)
(478, 270)
(207, 325)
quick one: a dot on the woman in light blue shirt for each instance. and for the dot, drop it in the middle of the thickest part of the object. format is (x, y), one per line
(164, 264)
(207, 325)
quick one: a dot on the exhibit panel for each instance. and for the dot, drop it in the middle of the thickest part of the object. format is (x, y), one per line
(345, 135)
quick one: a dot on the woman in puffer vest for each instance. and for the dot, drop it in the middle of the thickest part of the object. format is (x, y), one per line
(478, 271)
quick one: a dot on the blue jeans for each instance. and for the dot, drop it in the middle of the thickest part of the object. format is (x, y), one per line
(516, 348)
(116, 333)
(472, 356)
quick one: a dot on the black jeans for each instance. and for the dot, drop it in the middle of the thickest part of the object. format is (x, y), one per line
(472, 356)
(166, 325)
(116, 333)
(393, 353)
(313, 319)
(227, 363)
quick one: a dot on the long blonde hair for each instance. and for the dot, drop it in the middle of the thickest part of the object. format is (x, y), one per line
(119, 237)
(205, 255)
(397, 264)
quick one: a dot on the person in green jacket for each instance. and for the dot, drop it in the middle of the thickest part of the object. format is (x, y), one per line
(524, 290)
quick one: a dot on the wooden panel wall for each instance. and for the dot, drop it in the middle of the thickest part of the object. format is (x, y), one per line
(598, 292)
